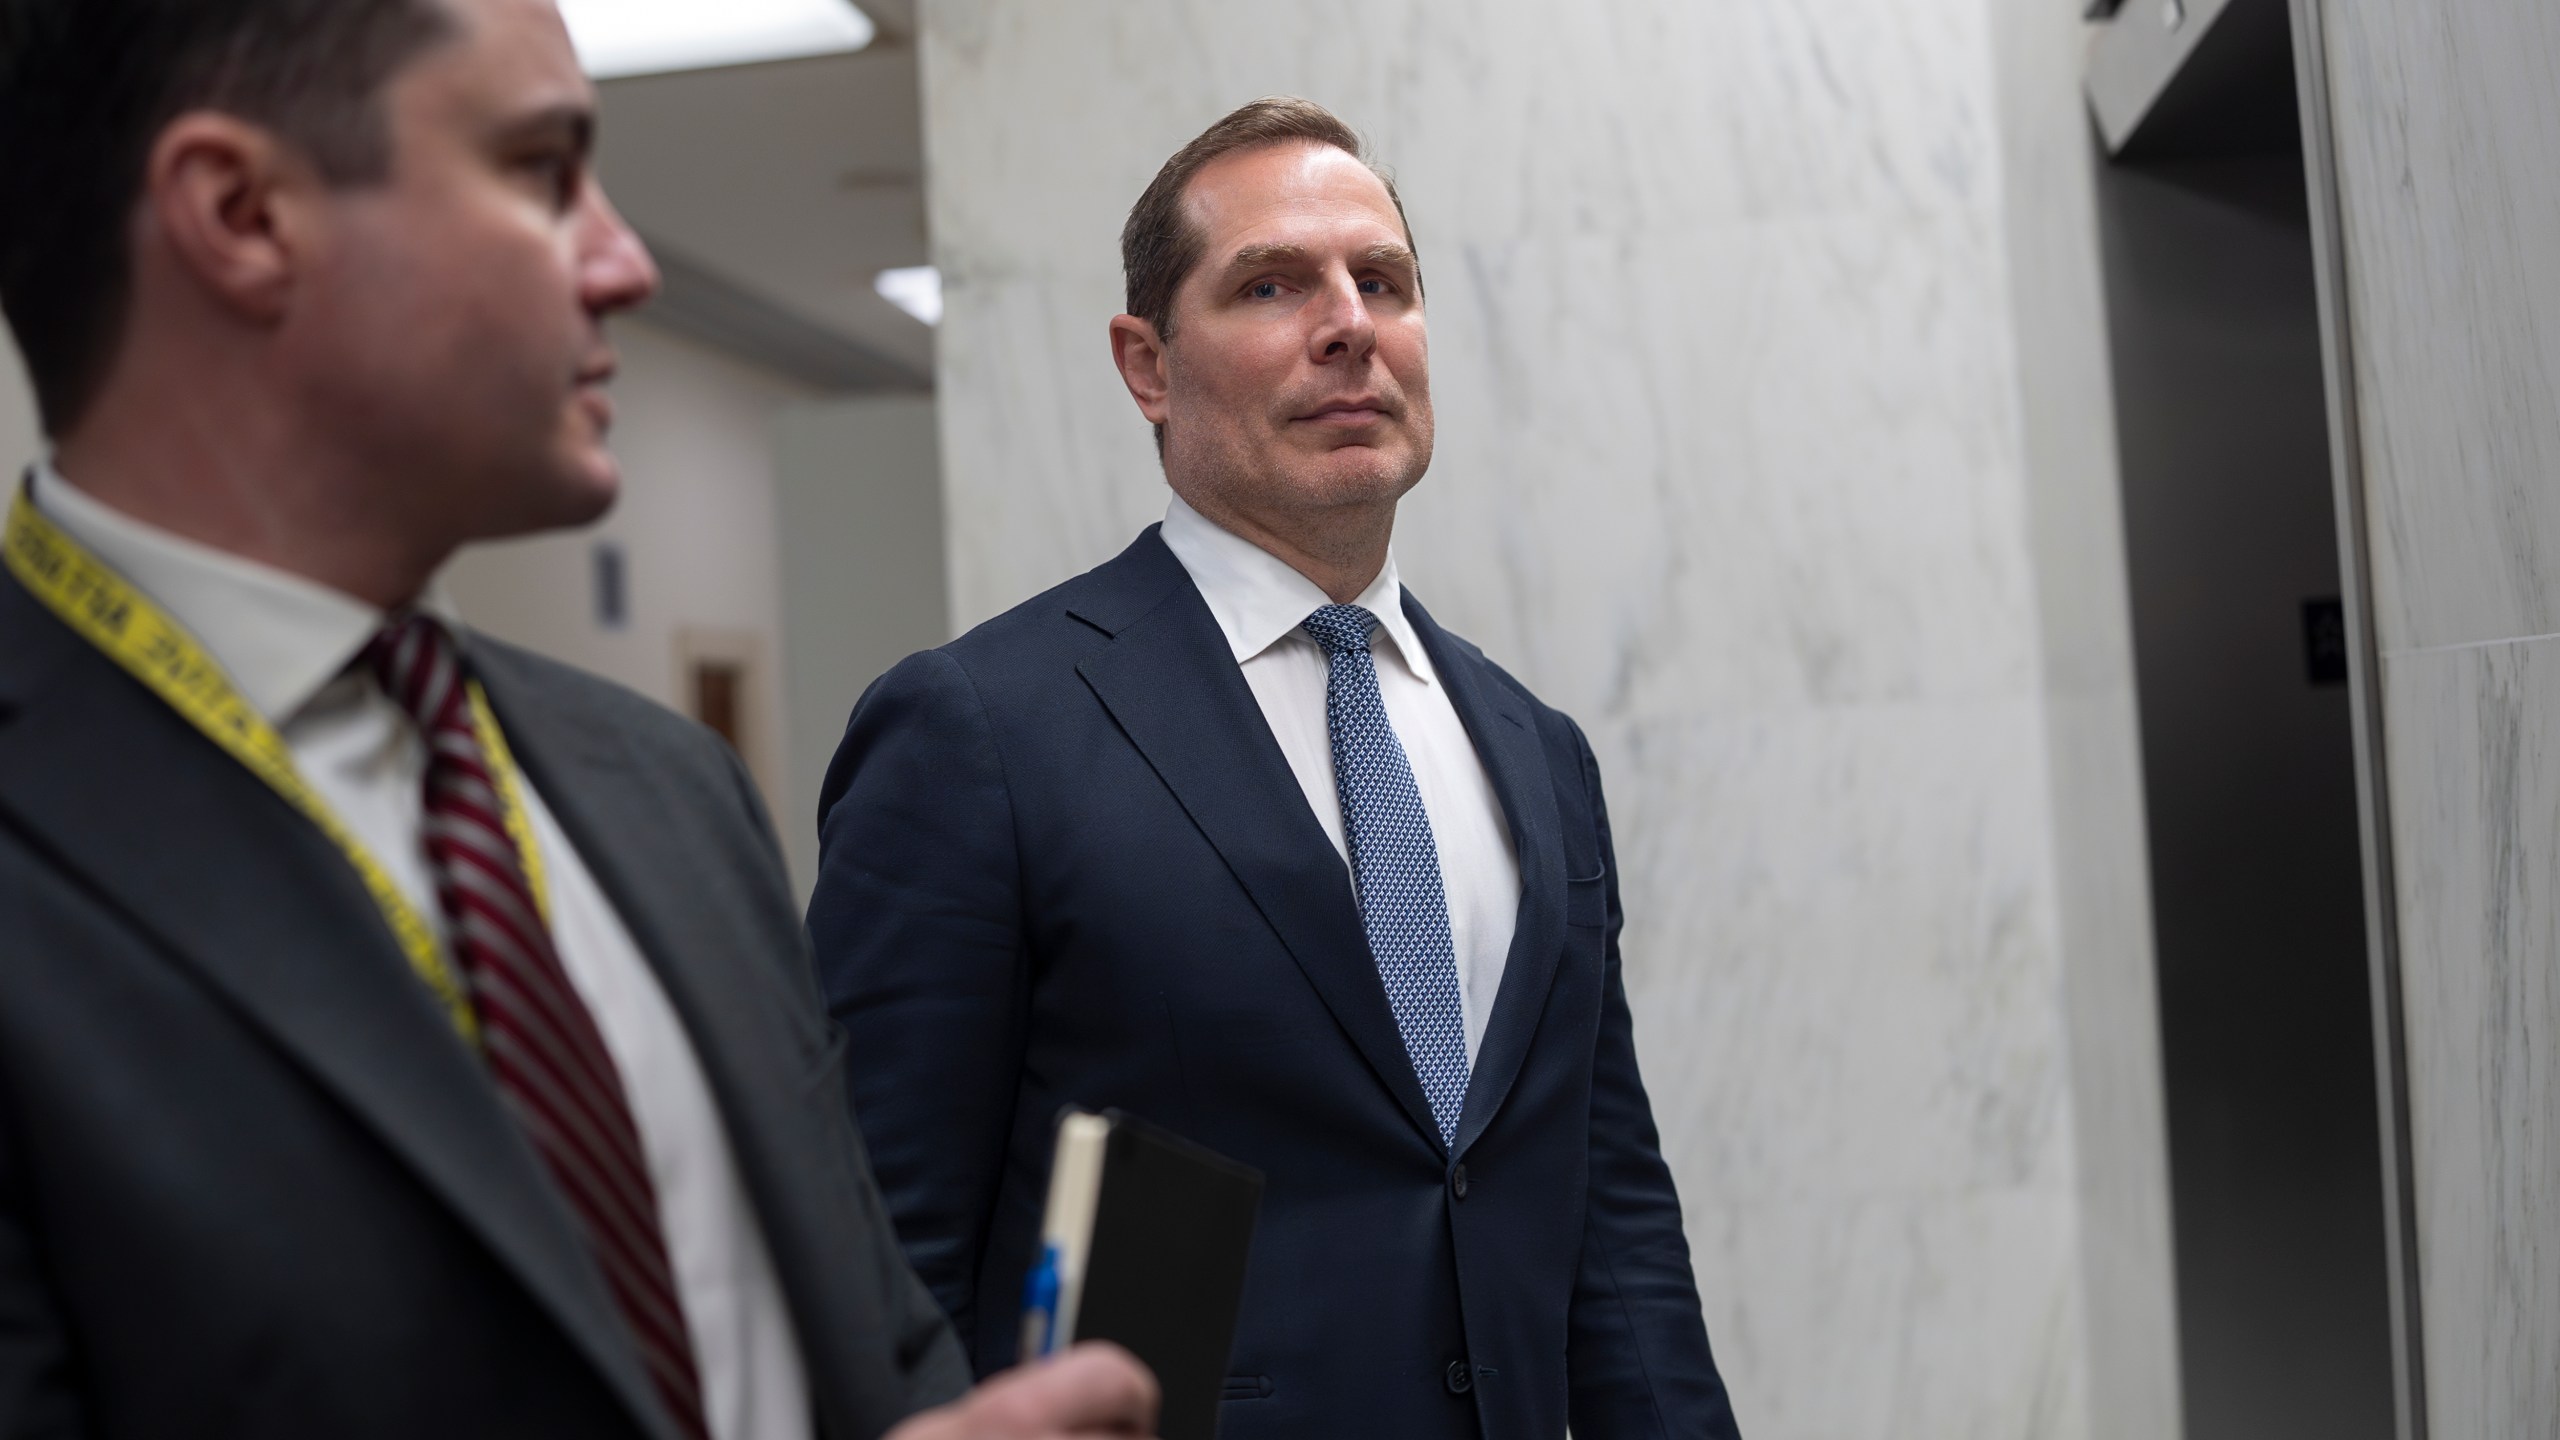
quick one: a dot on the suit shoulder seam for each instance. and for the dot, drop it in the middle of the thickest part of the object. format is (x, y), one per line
(995, 748)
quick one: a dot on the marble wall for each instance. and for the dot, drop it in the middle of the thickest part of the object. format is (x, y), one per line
(2093, 754)
(1774, 447)
(2445, 120)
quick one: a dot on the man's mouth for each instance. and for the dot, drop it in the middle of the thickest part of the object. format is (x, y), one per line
(598, 406)
(592, 395)
(1351, 413)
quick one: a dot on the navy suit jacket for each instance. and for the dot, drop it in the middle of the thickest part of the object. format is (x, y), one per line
(1066, 863)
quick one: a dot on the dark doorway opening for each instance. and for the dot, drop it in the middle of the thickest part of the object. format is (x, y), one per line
(2248, 752)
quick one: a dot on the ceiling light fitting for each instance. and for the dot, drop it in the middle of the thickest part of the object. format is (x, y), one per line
(616, 38)
(916, 289)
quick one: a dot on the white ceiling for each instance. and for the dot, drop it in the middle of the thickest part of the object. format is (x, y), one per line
(795, 182)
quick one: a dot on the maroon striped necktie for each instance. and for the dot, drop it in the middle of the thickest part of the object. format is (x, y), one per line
(541, 1046)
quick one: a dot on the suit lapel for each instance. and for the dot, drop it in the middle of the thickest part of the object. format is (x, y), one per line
(1506, 739)
(1170, 681)
(656, 870)
(224, 875)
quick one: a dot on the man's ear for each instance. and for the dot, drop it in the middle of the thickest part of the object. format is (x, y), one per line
(219, 194)
(1144, 366)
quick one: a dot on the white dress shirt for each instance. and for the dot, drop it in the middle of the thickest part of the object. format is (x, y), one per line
(286, 643)
(1260, 602)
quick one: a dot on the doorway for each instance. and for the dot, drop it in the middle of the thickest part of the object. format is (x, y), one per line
(2247, 741)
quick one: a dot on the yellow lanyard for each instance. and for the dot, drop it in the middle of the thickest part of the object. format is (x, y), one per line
(121, 621)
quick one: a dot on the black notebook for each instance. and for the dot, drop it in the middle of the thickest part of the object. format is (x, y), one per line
(1144, 1244)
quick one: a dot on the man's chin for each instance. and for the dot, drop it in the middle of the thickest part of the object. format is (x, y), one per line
(559, 498)
(587, 489)
(1351, 472)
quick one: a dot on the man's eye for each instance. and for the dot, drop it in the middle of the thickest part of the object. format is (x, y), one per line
(1375, 287)
(561, 175)
(1264, 290)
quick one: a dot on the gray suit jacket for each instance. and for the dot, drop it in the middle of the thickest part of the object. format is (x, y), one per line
(251, 1185)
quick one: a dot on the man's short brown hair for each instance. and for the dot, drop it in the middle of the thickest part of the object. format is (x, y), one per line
(1160, 246)
(86, 87)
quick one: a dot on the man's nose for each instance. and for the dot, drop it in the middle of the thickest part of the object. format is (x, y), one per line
(615, 271)
(1343, 327)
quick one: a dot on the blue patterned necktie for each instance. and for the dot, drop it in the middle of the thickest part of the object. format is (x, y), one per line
(1395, 865)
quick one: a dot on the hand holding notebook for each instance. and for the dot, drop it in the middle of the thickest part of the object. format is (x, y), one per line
(1144, 1243)
(1096, 1391)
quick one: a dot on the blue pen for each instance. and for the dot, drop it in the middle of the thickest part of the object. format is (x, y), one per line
(1040, 1306)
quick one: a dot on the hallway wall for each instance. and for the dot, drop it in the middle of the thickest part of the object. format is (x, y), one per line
(1774, 447)
(858, 511)
(21, 438)
(696, 524)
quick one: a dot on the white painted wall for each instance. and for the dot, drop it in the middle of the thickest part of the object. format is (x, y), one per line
(859, 500)
(694, 432)
(1774, 446)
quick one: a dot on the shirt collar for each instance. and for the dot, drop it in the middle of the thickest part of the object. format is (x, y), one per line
(280, 638)
(1259, 600)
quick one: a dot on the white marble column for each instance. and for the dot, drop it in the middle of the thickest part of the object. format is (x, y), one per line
(2445, 121)
(1774, 447)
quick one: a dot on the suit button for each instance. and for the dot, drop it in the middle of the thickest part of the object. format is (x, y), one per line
(1458, 1183)
(1461, 1379)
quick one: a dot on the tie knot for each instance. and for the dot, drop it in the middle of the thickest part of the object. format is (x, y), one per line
(1340, 629)
(414, 658)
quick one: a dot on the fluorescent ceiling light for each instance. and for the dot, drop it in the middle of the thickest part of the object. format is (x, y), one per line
(916, 289)
(646, 37)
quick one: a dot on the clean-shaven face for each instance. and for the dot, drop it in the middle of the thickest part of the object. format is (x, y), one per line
(1299, 365)
(457, 330)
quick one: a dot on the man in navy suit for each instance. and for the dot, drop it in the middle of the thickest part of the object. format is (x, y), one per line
(1229, 834)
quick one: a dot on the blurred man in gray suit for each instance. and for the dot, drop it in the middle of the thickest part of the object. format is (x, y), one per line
(400, 1035)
